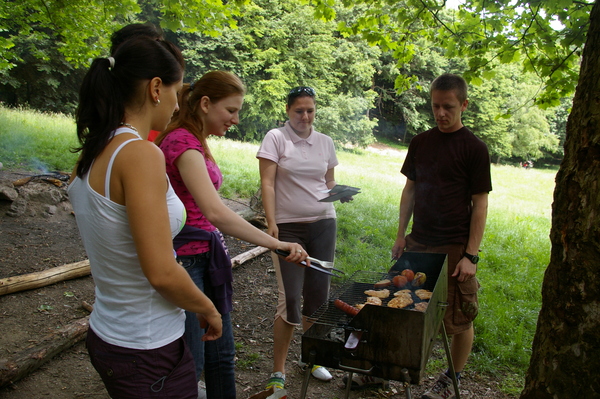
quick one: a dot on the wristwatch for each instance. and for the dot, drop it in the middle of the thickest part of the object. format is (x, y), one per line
(473, 258)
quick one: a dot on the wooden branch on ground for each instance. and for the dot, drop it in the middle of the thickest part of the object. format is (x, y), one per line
(245, 256)
(24, 362)
(44, 278)
(81, 269)
(87, 306)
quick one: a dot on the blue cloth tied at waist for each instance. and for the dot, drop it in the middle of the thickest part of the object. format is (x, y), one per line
(220, 274)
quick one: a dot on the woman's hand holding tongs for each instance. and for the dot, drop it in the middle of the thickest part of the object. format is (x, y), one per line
(293, 252)
(319, 265)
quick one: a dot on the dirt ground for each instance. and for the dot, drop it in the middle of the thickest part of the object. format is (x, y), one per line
(38, 232)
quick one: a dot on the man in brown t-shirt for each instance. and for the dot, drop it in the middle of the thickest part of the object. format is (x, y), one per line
(446, 193)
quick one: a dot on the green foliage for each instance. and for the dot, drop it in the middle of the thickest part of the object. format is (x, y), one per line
(83, 28)
(346, 121)
(276, 46)
(279, 45)
(408, 111)
(482, 31)
(352, 50)
(43, 80)
(524, 132)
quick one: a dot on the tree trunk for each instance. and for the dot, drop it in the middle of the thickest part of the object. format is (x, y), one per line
(31, 358)
(44, 278)
(565, 362)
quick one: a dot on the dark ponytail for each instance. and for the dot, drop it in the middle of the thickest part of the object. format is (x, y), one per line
(107, 90)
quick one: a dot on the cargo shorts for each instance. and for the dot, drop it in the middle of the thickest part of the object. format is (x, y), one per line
(463, 304)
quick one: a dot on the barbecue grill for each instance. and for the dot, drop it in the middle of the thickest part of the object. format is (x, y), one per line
(385, 342)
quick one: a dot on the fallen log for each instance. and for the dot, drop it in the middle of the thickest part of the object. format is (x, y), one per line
(24, 362)
(44, 278)
(245, 256)
(82, 269)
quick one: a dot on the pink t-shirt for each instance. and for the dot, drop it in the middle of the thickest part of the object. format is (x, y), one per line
(173, 145)
(301, 167)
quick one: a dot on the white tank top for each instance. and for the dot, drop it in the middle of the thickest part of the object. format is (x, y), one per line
(128, 311)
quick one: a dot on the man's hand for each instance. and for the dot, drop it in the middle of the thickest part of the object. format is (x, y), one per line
(398, 248)
(465, 269)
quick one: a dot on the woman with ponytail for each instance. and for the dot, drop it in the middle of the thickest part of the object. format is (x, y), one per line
(210, 106)
(128, 214)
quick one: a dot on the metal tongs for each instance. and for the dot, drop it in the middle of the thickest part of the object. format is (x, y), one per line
(324, 266)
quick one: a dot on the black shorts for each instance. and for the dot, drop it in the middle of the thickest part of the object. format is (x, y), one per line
(165, 372)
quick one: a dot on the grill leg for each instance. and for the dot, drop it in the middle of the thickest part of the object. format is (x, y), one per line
(349, 384)
(408, 392)
(406, 383)
(450, 363)
(309, 366)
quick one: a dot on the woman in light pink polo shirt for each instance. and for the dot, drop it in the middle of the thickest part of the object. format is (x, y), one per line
(210, 106)
(296, 164)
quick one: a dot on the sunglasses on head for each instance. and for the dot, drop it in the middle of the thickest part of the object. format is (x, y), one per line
(296, 91)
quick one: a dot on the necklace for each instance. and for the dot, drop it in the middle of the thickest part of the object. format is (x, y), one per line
(129, 126)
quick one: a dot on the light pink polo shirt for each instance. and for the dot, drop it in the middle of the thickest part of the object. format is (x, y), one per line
(301, 167)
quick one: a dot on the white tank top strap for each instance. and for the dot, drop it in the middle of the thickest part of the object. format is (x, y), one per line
(114, 155)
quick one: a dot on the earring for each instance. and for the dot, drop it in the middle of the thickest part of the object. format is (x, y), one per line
(157, 101)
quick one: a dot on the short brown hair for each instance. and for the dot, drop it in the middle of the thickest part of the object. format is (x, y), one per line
(448, 82)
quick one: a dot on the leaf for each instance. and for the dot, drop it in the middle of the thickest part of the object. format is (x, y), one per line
(476, 80)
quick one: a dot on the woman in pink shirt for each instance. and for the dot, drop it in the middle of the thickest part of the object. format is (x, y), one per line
(211, 105)
(296, 166)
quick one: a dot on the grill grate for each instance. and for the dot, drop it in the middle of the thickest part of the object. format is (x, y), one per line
(352, 292)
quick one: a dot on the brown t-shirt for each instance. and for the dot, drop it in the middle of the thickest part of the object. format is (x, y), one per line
(447, 168)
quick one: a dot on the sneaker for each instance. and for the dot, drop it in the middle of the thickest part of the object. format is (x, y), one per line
(321, 373)
(442, 389)
(277, 381)
(201, 390)
(361, 381)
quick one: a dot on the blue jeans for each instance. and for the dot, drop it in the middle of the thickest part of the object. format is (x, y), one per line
(216, 358)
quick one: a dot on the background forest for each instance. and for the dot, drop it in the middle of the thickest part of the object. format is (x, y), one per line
(365, 92)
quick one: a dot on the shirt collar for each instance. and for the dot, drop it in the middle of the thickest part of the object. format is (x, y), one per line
(295, 138)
